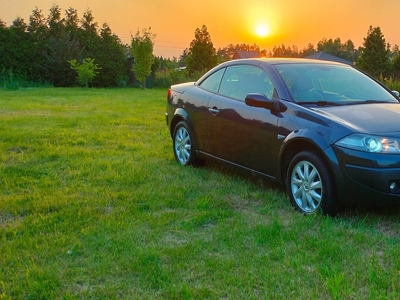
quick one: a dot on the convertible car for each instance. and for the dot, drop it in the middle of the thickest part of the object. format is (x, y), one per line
(327, 132)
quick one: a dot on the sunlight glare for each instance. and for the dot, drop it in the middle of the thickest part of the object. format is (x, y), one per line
(262, 30)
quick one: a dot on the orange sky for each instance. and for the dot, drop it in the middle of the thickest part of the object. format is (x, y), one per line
(291, 22)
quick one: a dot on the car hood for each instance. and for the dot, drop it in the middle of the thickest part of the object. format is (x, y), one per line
(366, 118)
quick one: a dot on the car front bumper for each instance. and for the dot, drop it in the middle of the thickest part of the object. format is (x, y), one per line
(368, 176)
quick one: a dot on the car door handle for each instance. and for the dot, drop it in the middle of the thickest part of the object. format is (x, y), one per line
(214, 111)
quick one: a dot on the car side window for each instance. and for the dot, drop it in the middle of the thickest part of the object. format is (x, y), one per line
(211, 83)
(240, 80)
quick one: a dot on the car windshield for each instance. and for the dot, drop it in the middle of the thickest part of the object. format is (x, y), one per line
(329, 84)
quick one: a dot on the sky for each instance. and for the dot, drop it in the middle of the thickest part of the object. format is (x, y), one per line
(288, 22)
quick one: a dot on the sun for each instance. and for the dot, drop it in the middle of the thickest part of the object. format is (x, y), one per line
(262, 30)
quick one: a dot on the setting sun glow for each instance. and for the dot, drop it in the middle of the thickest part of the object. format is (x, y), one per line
(262, 30)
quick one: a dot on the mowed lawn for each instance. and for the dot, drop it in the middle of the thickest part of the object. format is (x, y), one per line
(94, 206)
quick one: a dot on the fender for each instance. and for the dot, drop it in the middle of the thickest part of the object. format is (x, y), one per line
(178, 115)
(309, 140)
(305, 135)
(181, 115)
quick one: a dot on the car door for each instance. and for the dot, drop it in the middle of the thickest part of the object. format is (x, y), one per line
(196, 104)
(238, 133)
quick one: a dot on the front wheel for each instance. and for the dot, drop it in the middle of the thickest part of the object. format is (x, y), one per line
(310, 185)
(184, 148)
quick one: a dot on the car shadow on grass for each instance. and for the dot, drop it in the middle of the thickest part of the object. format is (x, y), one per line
(357, 209)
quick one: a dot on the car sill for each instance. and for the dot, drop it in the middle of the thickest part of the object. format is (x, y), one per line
(208, 156)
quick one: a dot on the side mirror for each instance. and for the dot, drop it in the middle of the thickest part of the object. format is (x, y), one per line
(259, 100)
(396, 93)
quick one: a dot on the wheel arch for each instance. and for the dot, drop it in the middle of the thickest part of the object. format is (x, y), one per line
(180, 115)
(296, 142)
(319, 146)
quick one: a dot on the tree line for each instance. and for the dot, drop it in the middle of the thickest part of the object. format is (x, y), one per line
(52, 49)
(41, 50)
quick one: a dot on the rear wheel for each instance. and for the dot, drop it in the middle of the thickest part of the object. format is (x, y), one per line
(310, 184)
(184, 148)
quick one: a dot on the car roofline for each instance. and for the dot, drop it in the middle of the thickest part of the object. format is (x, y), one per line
(280, 60)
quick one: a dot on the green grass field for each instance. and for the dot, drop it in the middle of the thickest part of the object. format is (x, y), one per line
(93, 206)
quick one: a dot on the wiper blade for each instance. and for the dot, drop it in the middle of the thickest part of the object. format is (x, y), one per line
(378, 101)
(370, 102)
(329, 103)
(321, 103)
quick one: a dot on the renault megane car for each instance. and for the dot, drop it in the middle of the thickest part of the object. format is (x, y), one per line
(325, 131)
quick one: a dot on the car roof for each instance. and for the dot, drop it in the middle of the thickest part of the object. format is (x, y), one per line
(268, 61)
(276, 60)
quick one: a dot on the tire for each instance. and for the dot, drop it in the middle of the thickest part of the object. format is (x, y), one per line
(183, 146)
(310, 184)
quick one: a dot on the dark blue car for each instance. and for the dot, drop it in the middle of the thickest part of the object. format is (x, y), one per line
(325, 131)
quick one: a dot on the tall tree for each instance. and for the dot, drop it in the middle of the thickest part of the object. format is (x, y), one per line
(142, 52)
(55, 22)
(396, 61)
(59, 51)
(374, 57)
(90, 40)
(37, 24)
(349, 51)
(38, 33)
(5, 50)
(4, 38)
(72, 23)
(88, 23)
(60, 47)
(182, 57)
(202, 55)
(19, 48)
(112, 59)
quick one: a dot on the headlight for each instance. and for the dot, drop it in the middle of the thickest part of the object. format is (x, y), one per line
(370, 143)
